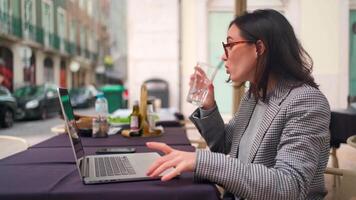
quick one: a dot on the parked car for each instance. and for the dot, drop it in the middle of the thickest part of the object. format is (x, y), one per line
(37, 101)
(83, 97)
(7, 108)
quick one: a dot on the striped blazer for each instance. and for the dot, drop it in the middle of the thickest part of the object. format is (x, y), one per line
(288, 155)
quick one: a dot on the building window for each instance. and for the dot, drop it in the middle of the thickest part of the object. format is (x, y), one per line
(81, 4)
(90, 7)
(29, 18)
(5, 13)
(4, 5)
(47, 20)
(47, 16)
(61, 23)
(48, 70)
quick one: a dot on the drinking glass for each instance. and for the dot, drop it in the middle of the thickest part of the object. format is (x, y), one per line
(204, 74)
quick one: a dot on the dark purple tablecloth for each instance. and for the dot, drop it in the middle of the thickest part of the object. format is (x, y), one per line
(46, 172)
(171, 136)
(342, 125)
(62, 182)
(64, 155)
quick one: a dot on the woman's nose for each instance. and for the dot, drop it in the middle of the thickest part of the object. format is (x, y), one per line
(223, 57)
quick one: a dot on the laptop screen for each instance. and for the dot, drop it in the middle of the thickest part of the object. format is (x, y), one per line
(72, 129)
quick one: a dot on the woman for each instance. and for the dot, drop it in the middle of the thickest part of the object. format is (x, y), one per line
(277, 145)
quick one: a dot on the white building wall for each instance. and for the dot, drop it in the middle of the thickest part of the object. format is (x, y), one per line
(39, 66)
(194, 44)
(56, 68)
(153, 45)
(18, 66)
(324, 34)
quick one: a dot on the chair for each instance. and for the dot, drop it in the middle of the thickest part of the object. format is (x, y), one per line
(351, 99)
(345, 190)
(351, 141)
(10, 145)
(346, 181)
(194, 138)
(159, 89)
(193, 135)
(192, 132)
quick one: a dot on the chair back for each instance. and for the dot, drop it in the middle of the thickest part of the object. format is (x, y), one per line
(351, 99)
(158, 88)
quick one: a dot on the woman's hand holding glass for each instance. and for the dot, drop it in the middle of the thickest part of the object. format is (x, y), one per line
(201, 91)
(181, 161)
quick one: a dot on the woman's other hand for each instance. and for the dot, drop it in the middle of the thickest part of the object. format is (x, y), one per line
(181, 161)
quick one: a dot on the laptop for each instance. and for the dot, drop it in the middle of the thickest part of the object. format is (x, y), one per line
(106, 168)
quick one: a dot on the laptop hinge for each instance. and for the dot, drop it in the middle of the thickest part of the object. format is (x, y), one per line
(84, 167)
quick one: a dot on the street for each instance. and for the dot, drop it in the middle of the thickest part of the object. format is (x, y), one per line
(35, 131)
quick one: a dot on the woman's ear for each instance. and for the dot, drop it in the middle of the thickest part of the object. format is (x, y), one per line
(260, 47)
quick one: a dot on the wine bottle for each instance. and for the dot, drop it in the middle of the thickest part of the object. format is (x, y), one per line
(135, 118)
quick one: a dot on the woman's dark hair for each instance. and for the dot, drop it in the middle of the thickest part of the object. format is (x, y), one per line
(284, 56)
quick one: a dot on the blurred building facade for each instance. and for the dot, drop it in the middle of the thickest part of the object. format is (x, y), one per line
(57, 41)
(118, 41)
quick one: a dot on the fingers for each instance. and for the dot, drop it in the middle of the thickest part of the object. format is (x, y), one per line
(199, 76)
(177, 171)
(211, 87)
(158, 163)
(182, 161)
(199, 71)
(192, 79)
(160, 147)
(163, 167)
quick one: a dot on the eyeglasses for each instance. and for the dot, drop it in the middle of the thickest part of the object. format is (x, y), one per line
(228, 46)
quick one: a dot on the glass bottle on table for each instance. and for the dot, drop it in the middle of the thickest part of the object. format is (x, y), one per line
(100, 123)
(135, 119)
(151, 117)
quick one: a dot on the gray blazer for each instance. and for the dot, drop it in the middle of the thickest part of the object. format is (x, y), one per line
(288, 156)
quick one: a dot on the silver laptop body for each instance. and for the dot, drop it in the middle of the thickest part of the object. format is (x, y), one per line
(103, 168)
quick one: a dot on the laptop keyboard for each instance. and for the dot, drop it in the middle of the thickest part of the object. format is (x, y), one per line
(113, 166)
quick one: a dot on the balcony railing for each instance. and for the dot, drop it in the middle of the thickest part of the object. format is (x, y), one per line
(53, 40)
(10, 25)
(14, 26)
(94, 56)
(70, 47)
(87, 53)
(39, 35)
(34, 33)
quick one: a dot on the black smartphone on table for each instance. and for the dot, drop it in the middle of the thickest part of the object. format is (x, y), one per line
(113, 150)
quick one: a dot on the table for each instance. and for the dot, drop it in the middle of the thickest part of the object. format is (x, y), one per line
(48, 171)
(168, 117)
(172, 136)
(164, 114)
(342, 125)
